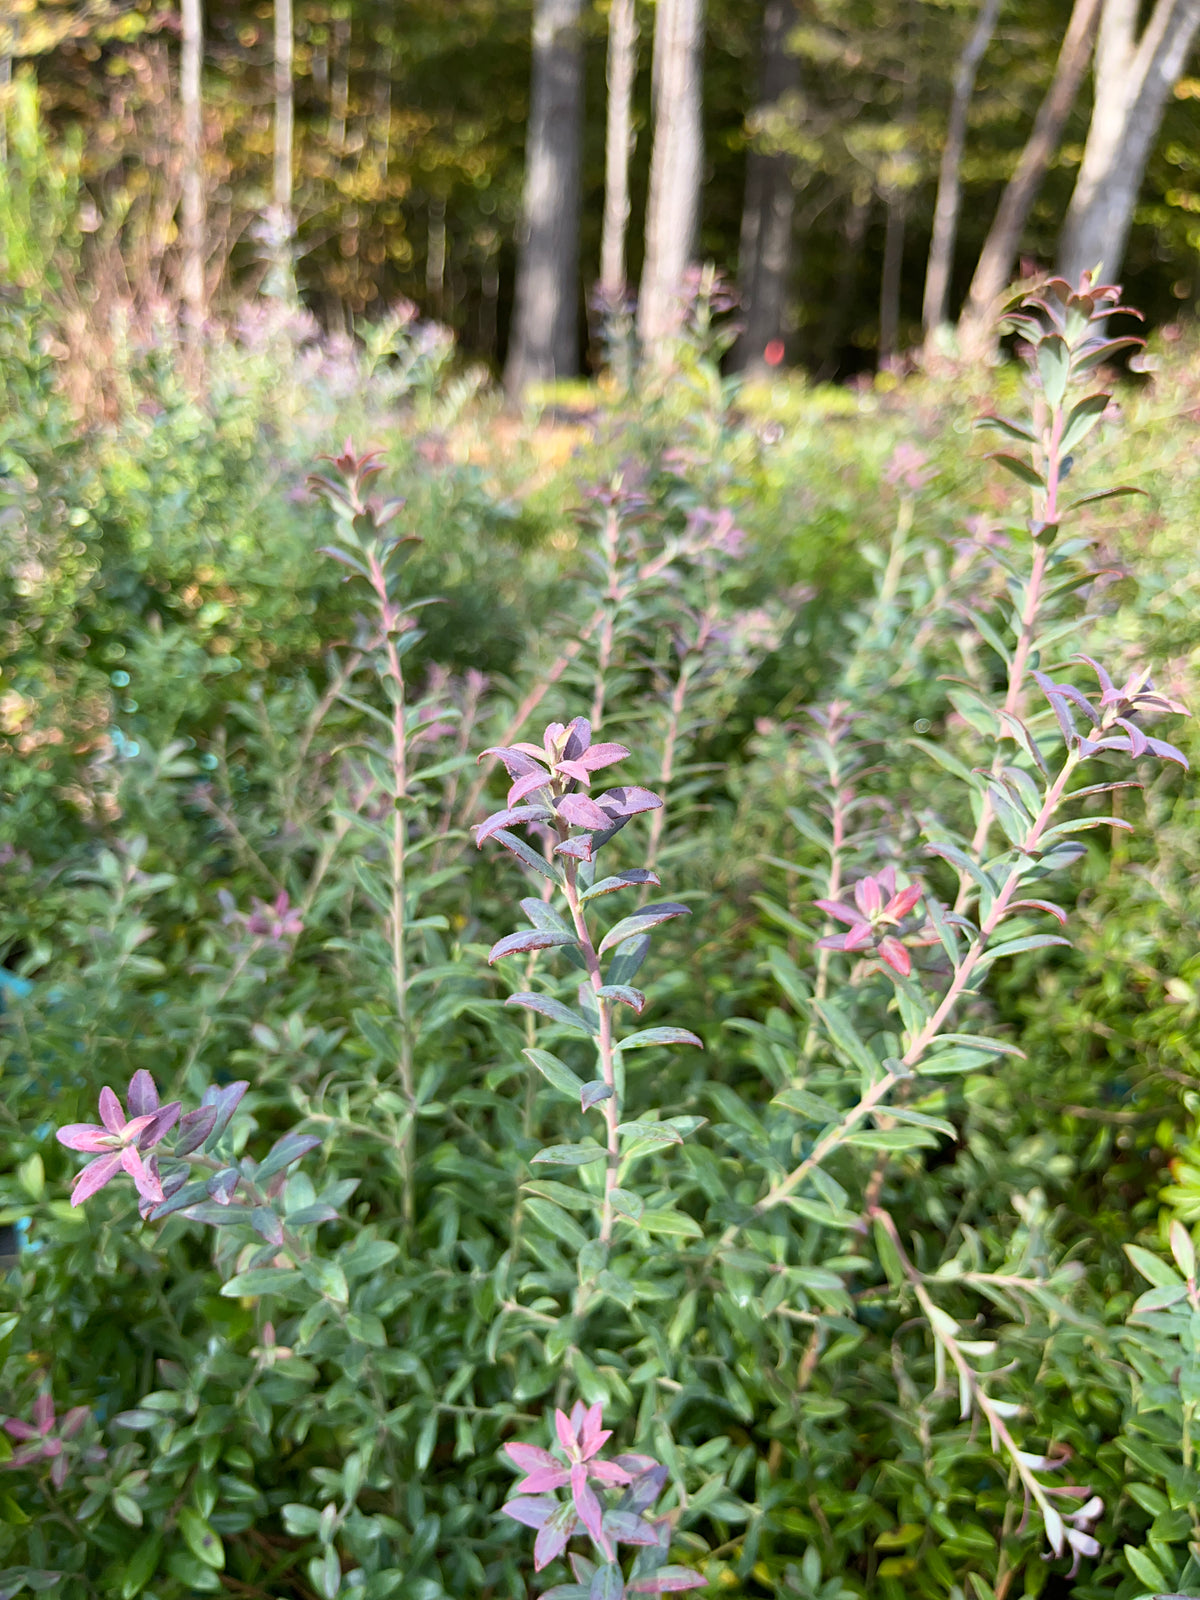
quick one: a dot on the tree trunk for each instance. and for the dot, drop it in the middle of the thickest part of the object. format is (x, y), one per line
(618, 147)
(765, 250)
(837, 316)
(544, 341)
(949, 189)
(281, 226)
(1133, 77)
(673, 205)
(192, 207)
(976, 326)
(896, 203)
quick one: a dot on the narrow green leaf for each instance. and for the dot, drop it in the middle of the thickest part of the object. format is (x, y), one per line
(568, 1155)
(555, 1072)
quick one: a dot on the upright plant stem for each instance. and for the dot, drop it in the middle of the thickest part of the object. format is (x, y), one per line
(390, 616)
(606, 1060)
(927, 1035)
(1027, 633)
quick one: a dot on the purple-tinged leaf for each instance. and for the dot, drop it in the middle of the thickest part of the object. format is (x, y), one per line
(94, 1176)
(646, 1487)
(554, 1010)
(582, 1567)
(160, 1124)
(608, 1582)
(553, 1535)
(641, 921)
(145, 1177)
(621, 993)
(111, 1114)
(543, 1479)
(507, 819)
(526, 855)
(591, 1094)
(266, 1224)
(180, 1199)
(582, 847)
(286, 1150)
(628, 801)
(602, 755)
(579, 738)
(141, 1096)
(223, 1185)
(628, 1528)
(527, 939)
(1167, 752)
(532, 1511)
(194, 1128)
(647, 1037)
(669, 1580)
(1016, 947)
(621, 880)
(834, 908)
(588, 1506)
(582, 812)
(1103, 494)
(1064, 830)
(1102, 788)
(573, 769)
(226, 1099)
(528, 1456)
(560, 1591)
(516, 762)
(530, 783)
(1039, 905)
(85, 1136)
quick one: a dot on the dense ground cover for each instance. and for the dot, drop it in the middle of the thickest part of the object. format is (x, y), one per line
(238, 758)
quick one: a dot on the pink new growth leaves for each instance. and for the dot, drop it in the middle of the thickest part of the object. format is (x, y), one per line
(45, 1438)
(545, 788)
(1111, 725)
(878, 906)
(119, 1141)
(581, 1437)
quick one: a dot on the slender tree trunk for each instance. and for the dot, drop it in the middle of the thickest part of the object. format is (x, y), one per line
(5, 81)
(765, 250)
(192, 208)
(282, 225)
(673, 205)
(545, 338)
(976, 326)
(618, 146)
(339, 85)
(1134, 77)
(949, 189)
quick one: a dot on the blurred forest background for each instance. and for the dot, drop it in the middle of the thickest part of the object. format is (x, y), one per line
(863, 169)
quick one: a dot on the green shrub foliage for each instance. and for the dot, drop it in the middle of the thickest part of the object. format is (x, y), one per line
(656, 953)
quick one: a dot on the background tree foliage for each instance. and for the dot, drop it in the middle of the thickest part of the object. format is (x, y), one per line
(409, 152)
